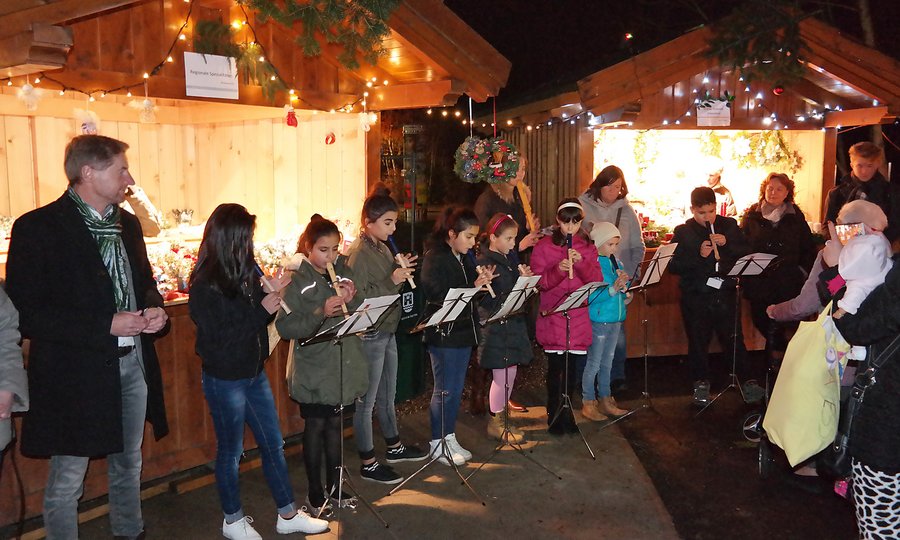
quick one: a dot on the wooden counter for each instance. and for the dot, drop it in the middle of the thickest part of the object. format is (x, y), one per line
(191, 441)
(665, 329)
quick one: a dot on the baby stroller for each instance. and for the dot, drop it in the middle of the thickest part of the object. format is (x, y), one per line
(752, 422)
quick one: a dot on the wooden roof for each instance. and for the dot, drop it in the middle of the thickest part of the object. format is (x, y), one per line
(839, 73)
(659, 86)
(432, 57)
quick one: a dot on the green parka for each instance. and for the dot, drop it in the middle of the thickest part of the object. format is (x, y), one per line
(314, 373)
(372, 266)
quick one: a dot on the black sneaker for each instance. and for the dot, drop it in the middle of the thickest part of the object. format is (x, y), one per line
(346, 501)
(376, 472)
(319, 508)
(404, 453)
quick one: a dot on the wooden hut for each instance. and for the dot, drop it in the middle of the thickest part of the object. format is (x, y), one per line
(650, 101)
(197, 153)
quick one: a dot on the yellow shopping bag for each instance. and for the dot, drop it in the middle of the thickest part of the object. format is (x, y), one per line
(802, 415)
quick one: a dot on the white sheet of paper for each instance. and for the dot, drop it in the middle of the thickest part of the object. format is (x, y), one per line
(523, 289)
(752, 265)
(453, 305)
(656, 269)
(578, 296)
(367, 314)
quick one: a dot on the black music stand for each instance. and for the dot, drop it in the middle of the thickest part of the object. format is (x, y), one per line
(364, 318)
(656, 267)
(748, 265)
(575, 300)
(451, 308)
(512, 306)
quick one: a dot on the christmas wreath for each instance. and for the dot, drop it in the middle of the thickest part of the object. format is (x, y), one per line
(494, 160)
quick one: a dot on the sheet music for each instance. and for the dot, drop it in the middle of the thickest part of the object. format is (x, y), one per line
(578, 296)
(367, 314)
(523, 289)
(657, 266)
(752, 265)
(454, 304)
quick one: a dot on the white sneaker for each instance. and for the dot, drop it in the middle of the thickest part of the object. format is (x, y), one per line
(301, 522)
(455, 447)
(436, 449)
(240, 529)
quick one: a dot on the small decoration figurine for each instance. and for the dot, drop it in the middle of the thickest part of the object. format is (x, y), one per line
(290, 116)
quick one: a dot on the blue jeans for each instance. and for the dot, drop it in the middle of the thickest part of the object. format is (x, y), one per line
(449, 367)
(65, 483)
(618, 366)
(600, 360)
(233, 404)
(381, 354)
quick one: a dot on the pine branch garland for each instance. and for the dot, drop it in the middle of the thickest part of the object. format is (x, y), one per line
(358, 26)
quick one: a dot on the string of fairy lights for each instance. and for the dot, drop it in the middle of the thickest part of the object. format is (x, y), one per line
(181, 37)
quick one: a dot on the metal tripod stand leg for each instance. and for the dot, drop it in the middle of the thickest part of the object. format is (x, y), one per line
(647, 402)
(565, 401)
(506, 435)
(444, 453)
(733, 381)
(343, 475)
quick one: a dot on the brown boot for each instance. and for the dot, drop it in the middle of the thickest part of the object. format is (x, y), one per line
(608, 407)
(591, 411)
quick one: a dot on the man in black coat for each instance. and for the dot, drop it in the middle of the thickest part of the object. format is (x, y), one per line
(78, 273)
(866, 182)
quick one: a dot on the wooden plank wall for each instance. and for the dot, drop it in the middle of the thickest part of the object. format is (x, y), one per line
(280, 173)
(560, 162)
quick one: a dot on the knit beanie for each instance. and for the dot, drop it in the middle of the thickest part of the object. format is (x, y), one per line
(603, 231)
(861, 211)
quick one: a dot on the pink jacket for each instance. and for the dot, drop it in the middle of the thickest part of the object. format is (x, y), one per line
(555, 285)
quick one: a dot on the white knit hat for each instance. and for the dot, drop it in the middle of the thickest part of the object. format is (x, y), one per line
(603, 231)
(861, 211)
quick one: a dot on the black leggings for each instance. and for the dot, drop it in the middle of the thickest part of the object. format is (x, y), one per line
(321, 436)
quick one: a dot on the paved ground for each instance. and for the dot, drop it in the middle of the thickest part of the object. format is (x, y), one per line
(664, 473)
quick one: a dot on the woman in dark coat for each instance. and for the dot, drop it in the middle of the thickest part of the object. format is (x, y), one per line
(875, 437)
(777, 226)
(504, 345)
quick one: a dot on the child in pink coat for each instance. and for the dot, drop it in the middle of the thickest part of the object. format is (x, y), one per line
(552, 259)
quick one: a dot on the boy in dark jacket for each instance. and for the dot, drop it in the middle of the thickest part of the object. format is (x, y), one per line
(708, 246)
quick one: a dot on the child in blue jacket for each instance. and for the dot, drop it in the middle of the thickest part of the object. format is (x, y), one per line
(606, 308)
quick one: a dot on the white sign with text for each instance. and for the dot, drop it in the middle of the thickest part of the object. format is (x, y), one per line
(210, 75)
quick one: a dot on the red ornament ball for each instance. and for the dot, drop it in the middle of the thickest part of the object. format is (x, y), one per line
(329, 138)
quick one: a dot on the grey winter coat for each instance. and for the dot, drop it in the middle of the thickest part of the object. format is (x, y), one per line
(12, 374)
(631, 246)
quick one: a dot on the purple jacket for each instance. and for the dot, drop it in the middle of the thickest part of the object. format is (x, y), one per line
(555, 285)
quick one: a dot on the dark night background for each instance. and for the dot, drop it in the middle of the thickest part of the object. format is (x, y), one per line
(553, 43)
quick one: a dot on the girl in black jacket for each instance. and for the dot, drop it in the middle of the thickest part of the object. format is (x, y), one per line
(504, 345)
(447, 266)
(231, 312)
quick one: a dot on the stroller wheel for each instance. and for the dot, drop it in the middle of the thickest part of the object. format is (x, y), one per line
(752, 426)
(766, 459)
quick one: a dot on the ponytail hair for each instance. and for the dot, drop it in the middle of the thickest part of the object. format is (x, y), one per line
(497, 225)
(456, 219)
(377, 204)
(316, 229)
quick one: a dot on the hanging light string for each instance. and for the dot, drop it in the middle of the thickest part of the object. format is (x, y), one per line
(167, 58)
